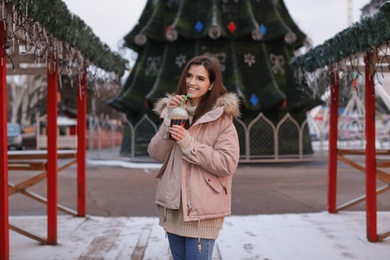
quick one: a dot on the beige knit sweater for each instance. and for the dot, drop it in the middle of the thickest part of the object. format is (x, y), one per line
(173, 223)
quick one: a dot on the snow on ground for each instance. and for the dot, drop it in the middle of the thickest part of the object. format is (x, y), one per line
(284, 236)
(124, 164)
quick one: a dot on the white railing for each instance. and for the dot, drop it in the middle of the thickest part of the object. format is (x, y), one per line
(63, 142)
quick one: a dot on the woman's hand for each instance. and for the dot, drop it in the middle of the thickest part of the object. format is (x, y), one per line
(177, 132)
(176, 101)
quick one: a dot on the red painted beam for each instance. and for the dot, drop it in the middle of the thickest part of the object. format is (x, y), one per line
(371, 207)
(52, 144)
(332, 152)
(4, 211)
(81, 145)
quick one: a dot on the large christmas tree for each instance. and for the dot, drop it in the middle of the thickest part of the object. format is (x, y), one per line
(253, 40)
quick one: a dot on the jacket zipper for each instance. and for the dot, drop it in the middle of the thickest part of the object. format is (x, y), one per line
(189, 208)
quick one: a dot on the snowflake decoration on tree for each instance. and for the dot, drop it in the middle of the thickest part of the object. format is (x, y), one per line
(249, 59)
(180, 60)
(277, 62)
(152, 66)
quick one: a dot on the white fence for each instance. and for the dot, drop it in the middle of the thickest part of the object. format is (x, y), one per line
(260, 141)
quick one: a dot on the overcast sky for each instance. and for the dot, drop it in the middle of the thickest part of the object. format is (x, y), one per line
(112, 20)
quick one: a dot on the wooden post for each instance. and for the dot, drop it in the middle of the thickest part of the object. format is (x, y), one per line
(52, 144)
(4, 225)
(81, 145)
(371, 207)
(332, 152)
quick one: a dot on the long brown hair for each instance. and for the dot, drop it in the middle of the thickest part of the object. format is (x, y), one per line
(213, 68)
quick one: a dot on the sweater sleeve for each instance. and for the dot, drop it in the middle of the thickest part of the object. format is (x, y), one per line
(164, 129)
(185, 146)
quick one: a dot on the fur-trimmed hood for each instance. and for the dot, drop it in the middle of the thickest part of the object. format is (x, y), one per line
(229, 102)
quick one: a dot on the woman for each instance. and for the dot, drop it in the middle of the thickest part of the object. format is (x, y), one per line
(194, 189)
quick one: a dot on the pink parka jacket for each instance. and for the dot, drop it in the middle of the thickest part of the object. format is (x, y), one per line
(204, 170)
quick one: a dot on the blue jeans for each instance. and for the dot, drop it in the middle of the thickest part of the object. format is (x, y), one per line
(186, 248)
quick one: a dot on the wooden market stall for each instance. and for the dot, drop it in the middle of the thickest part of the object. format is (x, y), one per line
(37, 37)
(362, 49)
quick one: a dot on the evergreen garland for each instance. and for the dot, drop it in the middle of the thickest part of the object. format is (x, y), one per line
(368, 33)
(67, 27)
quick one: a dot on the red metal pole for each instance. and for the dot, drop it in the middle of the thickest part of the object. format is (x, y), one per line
(52, 132)
(4, 225)
(332, 152)
(371, 207)
(81, 145)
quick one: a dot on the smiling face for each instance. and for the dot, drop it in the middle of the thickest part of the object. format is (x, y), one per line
(198, 83)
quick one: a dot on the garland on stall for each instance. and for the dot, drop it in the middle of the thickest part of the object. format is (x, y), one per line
(368, 33)
(344, 52)
(48, 25)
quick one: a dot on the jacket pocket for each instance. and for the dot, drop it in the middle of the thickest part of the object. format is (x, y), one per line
(212, 181)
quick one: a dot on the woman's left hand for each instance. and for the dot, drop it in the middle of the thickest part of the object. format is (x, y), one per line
(177, 132)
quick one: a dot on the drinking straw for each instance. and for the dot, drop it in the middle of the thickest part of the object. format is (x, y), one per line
(182, 103)
(182, 100)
